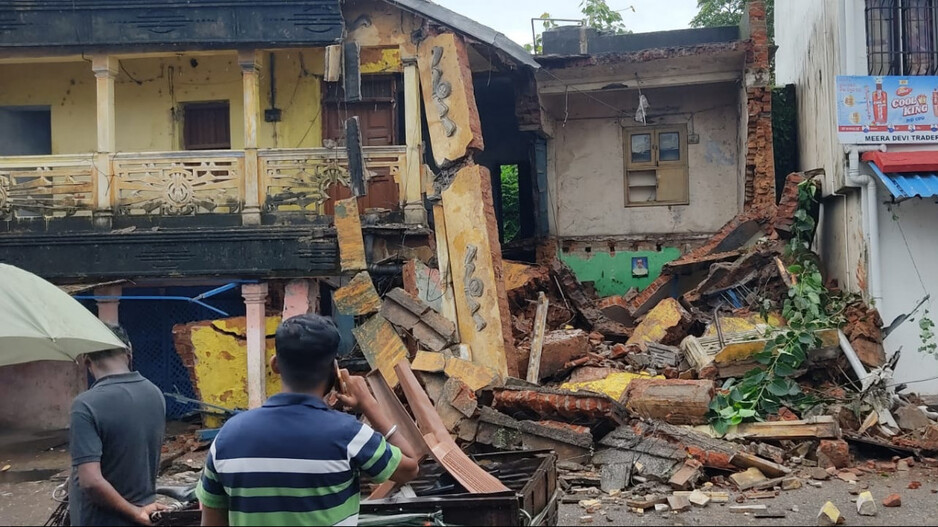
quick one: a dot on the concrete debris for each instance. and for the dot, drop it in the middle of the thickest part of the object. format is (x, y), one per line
(748, 479)
(411, 314)
(699, 498)
(829, 515)
(679, 503)
(866, 505)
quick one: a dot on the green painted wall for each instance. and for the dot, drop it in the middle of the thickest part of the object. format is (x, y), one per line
(612, 274)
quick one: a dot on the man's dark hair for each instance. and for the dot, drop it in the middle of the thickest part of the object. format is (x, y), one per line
(306, 347)
(121, 334)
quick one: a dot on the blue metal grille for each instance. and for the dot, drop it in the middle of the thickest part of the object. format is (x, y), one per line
(150, 327)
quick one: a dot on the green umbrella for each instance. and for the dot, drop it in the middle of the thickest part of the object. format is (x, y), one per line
(38, 321)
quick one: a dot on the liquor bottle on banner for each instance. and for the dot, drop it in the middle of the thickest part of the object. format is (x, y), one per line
(880, 103)
(934, 101)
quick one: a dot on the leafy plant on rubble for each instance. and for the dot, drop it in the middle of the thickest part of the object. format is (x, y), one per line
(926, 327)
(763, 391)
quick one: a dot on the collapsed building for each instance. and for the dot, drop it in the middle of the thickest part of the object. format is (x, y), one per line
(200, 205)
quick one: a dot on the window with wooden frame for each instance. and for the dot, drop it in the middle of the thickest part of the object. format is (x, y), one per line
(206, 126)
(656, 166)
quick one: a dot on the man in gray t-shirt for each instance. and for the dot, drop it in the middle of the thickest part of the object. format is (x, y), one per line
(116, 434)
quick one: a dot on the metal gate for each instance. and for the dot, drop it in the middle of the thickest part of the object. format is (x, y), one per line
(149, 323)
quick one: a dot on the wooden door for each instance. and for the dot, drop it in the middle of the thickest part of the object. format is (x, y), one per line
(377, 117)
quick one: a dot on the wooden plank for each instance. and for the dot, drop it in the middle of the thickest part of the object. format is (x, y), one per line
(382, 346)
(448, 302)
(351, 71)
(769, 468)
(822, 427)
(537, 342)
(358, 297)
(333, 63)
(356, 159)
(348, 226)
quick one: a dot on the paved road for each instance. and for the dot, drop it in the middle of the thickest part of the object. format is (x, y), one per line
(919, 507)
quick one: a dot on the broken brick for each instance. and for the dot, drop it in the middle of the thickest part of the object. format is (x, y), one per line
(893, 500)
(833, 453)
(459, 396)
(545, 403)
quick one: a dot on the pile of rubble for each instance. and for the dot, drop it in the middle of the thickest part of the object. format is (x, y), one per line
(621, 388)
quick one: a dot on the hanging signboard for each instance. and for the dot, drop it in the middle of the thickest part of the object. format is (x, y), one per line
(874, 110)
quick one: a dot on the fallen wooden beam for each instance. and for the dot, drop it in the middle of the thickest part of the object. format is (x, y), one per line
(348, 227)
(822, 427)
(537, 343)
(769, 468)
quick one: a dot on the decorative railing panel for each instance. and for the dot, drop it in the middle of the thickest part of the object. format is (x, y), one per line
(310, 180)
(46, 186)
(179, 183)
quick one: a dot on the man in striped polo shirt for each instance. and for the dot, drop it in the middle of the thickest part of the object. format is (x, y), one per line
(295, 461)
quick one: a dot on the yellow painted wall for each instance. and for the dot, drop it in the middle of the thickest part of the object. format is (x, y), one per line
(149, 92)
(68, 88)
(221, 361)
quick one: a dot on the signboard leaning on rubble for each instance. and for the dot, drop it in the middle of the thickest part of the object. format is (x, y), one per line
(877, 110)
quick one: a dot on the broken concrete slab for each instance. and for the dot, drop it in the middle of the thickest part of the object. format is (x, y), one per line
(668, 323)
(571, 443)
(614, 476)
(358, 297)
(475, 376)
(459, 396)
(584, 300)
(911, 418)
(449, 99)
(656, 459)
(482, 312)
(348, 226)
(430, 328)
(748, 479)
(674, 401)
(428, 361)
(382, 346)
(561, 347)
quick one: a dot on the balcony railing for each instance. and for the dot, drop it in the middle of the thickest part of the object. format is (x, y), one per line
(190, 183)
(46, 186)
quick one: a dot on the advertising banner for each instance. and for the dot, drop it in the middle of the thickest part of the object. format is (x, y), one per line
(874, 110)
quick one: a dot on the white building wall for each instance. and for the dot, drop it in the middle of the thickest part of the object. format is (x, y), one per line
(818, 40)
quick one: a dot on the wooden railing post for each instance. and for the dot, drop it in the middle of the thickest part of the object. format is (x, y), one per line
(411, 185)
(105, 69)
(250, 73)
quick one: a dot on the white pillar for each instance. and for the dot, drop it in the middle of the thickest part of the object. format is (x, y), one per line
(250, 76)
(411, 180)
(105, 69)
(255, 298)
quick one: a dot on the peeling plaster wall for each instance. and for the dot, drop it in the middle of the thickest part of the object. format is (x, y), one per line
(587, 190)
(611, 273)
(38, 395)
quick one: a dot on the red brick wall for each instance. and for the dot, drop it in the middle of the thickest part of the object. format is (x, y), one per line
(760, 154)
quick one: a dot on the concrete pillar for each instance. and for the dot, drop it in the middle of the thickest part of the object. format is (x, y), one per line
(255, 297)
(105, 69)
(249, 61)
(411, 182)
(300, 297)
(108, 308)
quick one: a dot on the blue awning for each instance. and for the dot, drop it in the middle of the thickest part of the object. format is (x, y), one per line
(907, 185)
